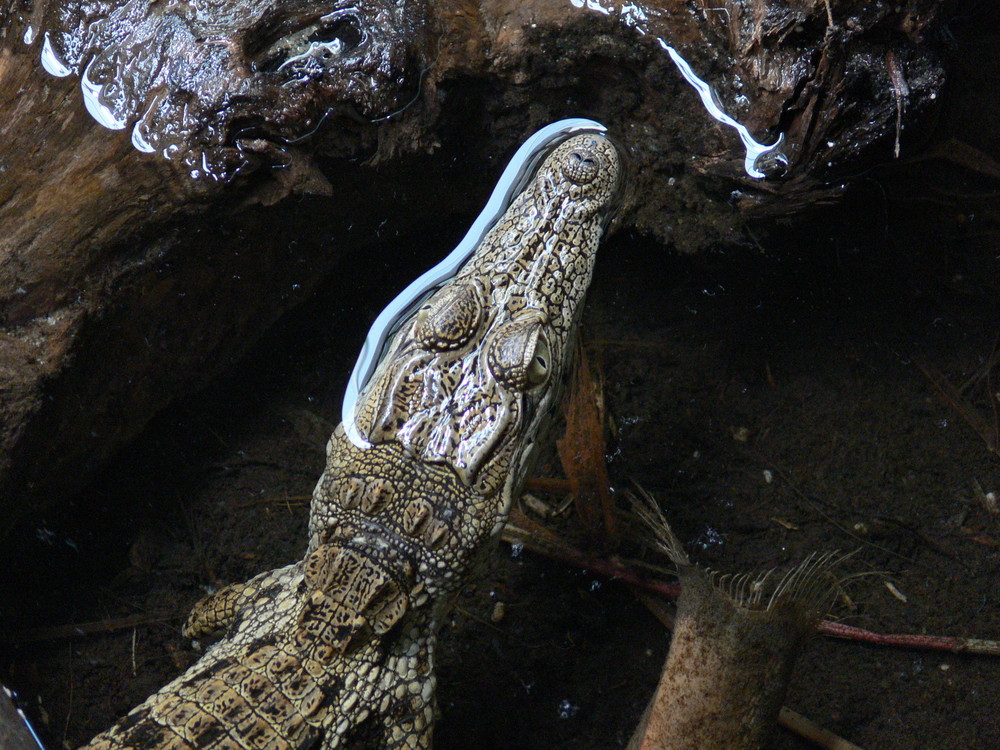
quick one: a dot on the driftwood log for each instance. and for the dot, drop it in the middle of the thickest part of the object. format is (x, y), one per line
(174, 175)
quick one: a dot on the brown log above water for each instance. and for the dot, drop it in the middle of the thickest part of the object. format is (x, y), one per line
(128, 278)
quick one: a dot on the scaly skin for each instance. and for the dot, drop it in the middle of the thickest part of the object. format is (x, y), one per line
(338, 649)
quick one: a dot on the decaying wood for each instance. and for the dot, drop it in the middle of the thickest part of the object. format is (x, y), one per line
(726, 674)
(583, 453)
(735, 642)
(125, 281)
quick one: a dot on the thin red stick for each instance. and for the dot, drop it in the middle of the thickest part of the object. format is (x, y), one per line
(539, 539)
(930, 642)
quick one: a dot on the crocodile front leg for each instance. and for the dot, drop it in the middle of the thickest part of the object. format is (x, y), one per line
(246, 690)
(219, 610)
(330, 650)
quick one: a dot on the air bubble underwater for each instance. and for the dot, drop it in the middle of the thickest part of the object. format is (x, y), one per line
(92, 98)
(50, 60)
(567, 709)
(107, 104)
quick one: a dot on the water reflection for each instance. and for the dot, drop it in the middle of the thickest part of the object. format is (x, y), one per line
(220, 87)
(761, 160)
(50, 61)
(93, 99)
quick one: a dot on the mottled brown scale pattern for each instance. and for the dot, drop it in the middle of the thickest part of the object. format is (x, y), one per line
(451, 320)
(337, 650)
(519, 351)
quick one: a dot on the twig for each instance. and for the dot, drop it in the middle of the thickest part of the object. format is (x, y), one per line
(135, 669)
(252, 461)
(553, 485)
(961, 153)
(951, 396)
(814, 506)
(900, 89)
(829, 17)
(978, 538)
(920, 536)
(480, 620)
(656, 606)
(291, 500)
(625, 344)
(582, 452)
(59, 632)
(69, 707)
(537, 538)
(800, 725)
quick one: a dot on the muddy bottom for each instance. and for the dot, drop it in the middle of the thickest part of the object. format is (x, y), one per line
(776, 397)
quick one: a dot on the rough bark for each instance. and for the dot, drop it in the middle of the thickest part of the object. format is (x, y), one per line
(128, 278)
(726, 674)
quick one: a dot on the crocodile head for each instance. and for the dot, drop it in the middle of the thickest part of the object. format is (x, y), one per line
(470, 379)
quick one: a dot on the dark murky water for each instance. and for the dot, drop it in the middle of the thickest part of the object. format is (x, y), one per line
(796, 362)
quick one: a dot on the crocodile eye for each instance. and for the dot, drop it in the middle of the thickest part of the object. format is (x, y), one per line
(581, 165)
(450, 320)
(519, 356)
(538, 368)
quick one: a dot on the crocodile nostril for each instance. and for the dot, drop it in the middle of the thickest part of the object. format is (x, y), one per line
(581, 166)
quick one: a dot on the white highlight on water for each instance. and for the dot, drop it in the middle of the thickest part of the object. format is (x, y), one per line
(515, 177)
(138, 134)
(29, 35)
(139, 140)
(92, 98)
(52, 64)
(754, 149)
(316, 50)
(636, 17)
(91, 91)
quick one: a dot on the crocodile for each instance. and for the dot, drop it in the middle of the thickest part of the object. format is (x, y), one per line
(337, 650)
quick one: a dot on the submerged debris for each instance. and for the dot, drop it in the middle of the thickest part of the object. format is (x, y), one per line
(735, 642)
(582, 452)
(730, 659)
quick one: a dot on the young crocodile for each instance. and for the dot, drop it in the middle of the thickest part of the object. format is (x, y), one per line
(338, 649)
